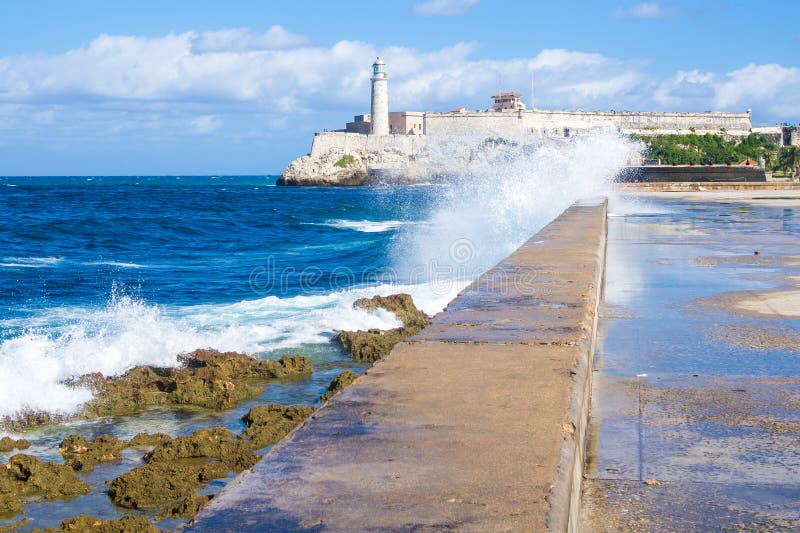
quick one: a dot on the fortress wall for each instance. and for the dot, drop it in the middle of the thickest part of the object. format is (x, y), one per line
(553, 123)
(485, 124)
(360, 144)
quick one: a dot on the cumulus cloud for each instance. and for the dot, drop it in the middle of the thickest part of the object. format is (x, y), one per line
(768, 89)
(443, 8)
(647, 10)
(205, 124)
(225, 81)
(244, 40)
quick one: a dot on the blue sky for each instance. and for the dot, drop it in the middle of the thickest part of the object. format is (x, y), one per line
(199, 87)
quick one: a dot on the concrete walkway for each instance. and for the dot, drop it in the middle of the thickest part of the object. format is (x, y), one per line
(475, 425)
(695, 423)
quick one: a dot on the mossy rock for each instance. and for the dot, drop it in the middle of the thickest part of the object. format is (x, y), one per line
(143, 440)
(11, 502)
(216, 443)
(268, 424)
(213, 392)
(53, 481)
(234, 366)
(370, 345)
(207, 378)
(375, 344)
(339, 383)
(186, 508)
(8, 444)
(155, 485)
(402, 305)
(82, 455)
(90, 524)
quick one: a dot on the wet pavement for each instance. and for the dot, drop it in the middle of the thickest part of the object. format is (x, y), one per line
(695, 417)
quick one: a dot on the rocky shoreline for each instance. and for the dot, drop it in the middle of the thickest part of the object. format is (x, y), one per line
(172, 482)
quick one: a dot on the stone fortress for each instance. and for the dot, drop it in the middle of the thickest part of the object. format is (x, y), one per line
(394, 143)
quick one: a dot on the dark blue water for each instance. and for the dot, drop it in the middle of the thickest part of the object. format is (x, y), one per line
(67, 241)
(103, 273)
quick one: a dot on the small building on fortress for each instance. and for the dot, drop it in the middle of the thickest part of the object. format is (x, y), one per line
(509, 117)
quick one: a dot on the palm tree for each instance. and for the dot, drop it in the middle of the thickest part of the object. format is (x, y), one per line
(768, 156)
(789, 159)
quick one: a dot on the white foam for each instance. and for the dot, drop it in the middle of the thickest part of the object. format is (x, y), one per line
(128, 332)
(117, 264)
(364, 226)
(30, 262)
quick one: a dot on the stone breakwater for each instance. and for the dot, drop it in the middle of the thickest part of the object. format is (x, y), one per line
(476, 423)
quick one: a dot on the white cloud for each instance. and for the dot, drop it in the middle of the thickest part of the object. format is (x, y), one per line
(770, 90)
(196, 83)
(244, 40)
(647, 10)
(205, 124)
(443, 8)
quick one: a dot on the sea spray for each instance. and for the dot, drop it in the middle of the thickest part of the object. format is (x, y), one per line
(497, 193)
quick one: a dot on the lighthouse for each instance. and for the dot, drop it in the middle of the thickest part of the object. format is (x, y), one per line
(380, 98)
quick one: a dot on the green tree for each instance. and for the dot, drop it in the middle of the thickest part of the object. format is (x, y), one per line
(789, 159)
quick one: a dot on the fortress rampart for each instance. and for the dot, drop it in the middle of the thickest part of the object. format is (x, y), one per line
(565, 123)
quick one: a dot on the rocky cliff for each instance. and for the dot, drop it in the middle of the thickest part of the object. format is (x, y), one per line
(345, 159)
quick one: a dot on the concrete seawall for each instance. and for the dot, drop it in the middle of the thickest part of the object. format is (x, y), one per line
(476, 424)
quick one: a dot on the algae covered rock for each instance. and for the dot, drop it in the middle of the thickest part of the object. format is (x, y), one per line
(187, 507)
(216, 443)
(82, 455)
(374, 344)
(207, 378)
(36, 477)
(176, 468)
(90, 524)
(8, 444)
(235, 365)
(370, 345)
(268, 424)
(10, 497)
(143, 440)
(212, 391)
(343, 380)
(154, 485)
(402, 305)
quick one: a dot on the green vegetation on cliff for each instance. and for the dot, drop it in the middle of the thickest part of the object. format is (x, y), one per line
(345, 160)
(708, 149)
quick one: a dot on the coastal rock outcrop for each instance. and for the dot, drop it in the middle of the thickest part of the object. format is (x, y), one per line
(339, 383)
(207, 378)
(8, 444)
(340, 158)
(333, 168)
(176, 468)
(26, 477)
(268, 424)
(91, 524)
(82, 455)
(374, 344)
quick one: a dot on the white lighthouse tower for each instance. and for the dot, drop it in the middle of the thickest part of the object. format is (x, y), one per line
(380, 98)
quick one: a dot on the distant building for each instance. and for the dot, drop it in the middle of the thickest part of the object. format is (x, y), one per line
(507, 102)
(361, 124)
(406, 122)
